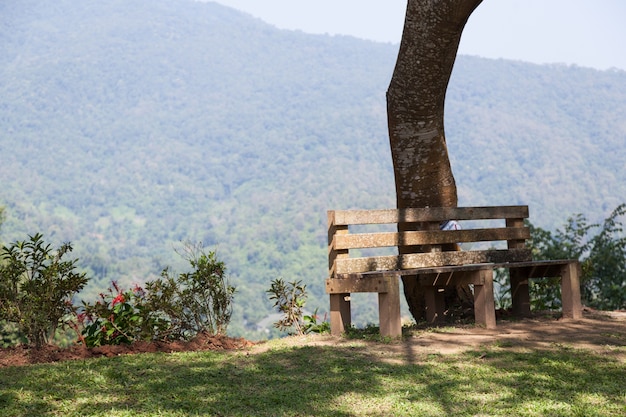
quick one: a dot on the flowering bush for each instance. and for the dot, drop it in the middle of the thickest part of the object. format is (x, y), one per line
(312, 325)
(120, 317)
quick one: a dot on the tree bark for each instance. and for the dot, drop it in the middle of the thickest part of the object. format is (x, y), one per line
(415, 111)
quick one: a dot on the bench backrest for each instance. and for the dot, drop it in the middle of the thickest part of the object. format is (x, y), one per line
(420, 242)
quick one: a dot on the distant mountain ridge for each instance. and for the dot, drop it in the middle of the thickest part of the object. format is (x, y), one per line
(127, 126)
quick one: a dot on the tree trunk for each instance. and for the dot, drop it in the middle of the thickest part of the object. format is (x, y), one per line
(415, 106)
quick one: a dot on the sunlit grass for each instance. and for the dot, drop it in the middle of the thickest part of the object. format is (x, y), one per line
(350, 379)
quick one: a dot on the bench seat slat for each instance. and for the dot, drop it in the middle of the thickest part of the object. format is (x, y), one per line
(378, 281)
(432, 237)
(429, 214)
(432, 259)
(539, 269)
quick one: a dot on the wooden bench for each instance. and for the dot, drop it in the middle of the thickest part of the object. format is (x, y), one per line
(426, 257)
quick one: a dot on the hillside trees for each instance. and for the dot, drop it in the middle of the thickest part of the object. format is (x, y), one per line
(415, 107)
(2, 214)
(2, 217)
(130, 126)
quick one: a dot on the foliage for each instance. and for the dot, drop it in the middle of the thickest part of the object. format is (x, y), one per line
(289, 298)
(169, 308)
(311, 325)
(194, 302)
(370, 332)
(604, 275)
(2, 217)
(37, 286)
(502, 288)
(10, 334)
(602, 257)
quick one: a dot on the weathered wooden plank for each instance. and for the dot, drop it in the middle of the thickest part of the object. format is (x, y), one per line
(335, 230)
(389, 310)
(484, 303)
(432, 259)
(427, 270)
(451, 279)
(340, 315)
(432, 276)
(539, 269)
(428, 214)
(360, 284)
(430, 237)
(570, 291)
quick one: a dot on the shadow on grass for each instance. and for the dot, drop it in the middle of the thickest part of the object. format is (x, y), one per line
(321, 381)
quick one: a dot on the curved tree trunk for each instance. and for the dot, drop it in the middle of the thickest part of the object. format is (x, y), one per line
(415, 105)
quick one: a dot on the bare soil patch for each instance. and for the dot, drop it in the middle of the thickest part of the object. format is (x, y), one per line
(601, 332)
(23, 355)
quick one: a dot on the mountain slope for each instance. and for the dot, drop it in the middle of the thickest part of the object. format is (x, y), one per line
(128, 126)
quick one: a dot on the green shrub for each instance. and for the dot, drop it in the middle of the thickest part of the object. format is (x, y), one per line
(602, 257)
(194, 302)
(604, 269)
(37, 287)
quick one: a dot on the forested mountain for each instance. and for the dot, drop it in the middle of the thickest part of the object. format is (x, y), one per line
(128, 126)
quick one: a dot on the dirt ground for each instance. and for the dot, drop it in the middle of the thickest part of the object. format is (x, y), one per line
(601, 332)
(596, 331)
(22, 355)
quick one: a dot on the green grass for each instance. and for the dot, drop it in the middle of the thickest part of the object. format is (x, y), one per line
(355, 378)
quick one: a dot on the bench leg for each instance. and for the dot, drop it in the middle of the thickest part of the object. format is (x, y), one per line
(434, 301)
(520, 297)
(570, 291)
(340, 317)
(484, 303)
(389, 310)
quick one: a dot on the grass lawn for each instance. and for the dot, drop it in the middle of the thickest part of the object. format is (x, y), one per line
(352, 378)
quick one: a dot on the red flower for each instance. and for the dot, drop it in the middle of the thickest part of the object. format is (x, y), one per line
(138, 291)
(118, 299)
(81, 317)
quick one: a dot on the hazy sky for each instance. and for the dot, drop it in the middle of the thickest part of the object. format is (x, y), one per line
(590, 33)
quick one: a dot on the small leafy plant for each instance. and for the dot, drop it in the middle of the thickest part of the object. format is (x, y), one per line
(311, 325)
(289, 298)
